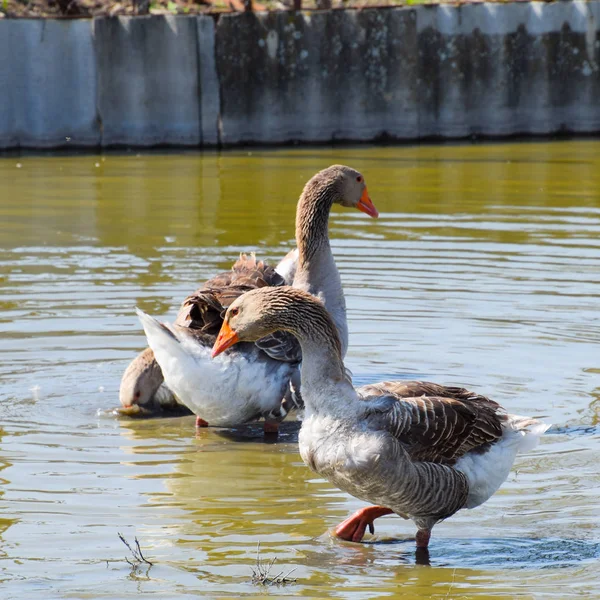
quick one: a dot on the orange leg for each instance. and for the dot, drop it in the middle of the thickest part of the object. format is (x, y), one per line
(354, 527)
(422, 538)
(271, 427)
(201, 422)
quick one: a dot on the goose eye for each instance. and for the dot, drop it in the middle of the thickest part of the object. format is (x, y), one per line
(234, 311)
(359, 179)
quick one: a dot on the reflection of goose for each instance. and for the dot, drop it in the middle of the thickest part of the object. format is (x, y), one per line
(420, 450)
(250, 381)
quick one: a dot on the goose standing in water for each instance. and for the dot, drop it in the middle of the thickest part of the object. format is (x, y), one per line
(250, 381)
(420, 450)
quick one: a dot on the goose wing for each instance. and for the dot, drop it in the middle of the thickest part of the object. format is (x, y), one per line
(205, 308)
(434, 423)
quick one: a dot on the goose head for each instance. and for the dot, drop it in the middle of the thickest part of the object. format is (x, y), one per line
(142, 391)
(348, 187)
(260, 312)
(353, 191)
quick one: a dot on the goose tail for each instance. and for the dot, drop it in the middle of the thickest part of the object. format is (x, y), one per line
(531, 430)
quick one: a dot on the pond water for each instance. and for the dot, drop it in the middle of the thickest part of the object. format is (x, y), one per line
(483, 270)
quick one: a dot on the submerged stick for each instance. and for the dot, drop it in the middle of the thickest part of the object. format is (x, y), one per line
(137, 553)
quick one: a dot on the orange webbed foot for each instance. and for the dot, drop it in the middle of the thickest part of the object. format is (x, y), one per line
(354, 527)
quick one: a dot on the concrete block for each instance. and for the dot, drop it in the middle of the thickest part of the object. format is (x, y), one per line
(210, 99)
(573, 67)
(507, 94)
(148, 87)
(443, 76)
(336, 75)
(47, 84)
(508, 69)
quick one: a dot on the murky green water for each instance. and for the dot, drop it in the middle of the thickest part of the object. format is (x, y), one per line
(484, 270)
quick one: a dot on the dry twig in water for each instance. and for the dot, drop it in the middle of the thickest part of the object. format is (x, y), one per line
(138, 557)
(261, 575)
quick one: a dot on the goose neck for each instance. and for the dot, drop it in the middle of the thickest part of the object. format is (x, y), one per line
(317, 272)
(326, 386)
(312, 221)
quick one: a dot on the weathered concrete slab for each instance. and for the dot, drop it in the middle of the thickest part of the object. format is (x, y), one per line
(210, 99)
(504, 69)
(148, 80)
(337, 75)
(47, 84)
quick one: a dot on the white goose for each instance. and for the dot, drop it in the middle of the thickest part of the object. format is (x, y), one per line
(250, 381)
(143, 390)
(420, 450)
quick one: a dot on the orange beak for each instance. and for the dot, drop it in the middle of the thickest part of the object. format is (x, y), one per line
(226, 338)
(365, 205)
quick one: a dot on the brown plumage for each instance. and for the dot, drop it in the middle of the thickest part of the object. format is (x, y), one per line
(205, 308)
(438, 423)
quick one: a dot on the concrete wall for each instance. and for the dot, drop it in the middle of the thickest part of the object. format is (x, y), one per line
(48, 84)
(399, 73)
(148, 89)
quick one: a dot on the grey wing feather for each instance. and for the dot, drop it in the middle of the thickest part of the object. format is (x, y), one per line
(434, 423)
(281, 346)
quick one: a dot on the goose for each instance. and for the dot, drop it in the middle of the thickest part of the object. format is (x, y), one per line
(250, 381)
(143, 391)
(419, 450)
